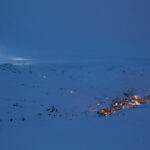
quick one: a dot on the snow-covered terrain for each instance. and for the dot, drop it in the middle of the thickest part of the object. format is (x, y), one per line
(54, 105)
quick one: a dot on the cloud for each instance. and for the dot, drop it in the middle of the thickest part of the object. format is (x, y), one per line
(19, 59)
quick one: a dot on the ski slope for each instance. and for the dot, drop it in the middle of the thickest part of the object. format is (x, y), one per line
(54, 105)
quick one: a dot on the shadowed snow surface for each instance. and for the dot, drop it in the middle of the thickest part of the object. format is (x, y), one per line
(53, 106)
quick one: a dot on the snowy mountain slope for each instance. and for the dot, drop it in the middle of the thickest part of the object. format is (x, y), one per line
(128, 131)
(46, 104)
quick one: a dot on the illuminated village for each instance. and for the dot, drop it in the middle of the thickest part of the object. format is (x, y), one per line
(123, 103)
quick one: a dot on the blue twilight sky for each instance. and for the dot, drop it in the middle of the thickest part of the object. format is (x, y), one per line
(58, 29)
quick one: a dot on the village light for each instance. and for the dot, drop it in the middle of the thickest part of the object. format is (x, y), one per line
(122, 103)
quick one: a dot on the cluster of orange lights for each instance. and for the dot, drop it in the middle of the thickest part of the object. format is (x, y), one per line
(119, 104)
